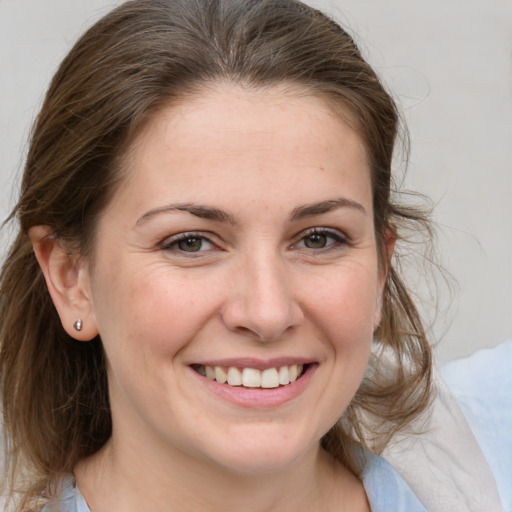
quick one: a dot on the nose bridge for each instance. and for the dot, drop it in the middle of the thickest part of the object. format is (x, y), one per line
(263, 301)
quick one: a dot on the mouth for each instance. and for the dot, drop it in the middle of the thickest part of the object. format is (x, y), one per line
(247, 377)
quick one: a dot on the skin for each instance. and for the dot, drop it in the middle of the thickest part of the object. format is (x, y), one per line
(272, 278)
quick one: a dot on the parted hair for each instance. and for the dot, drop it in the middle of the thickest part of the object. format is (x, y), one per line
(127, 66)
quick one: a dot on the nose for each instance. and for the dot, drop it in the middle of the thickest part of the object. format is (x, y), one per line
(261, 300)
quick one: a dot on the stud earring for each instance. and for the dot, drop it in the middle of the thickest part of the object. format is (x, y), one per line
(78, 325)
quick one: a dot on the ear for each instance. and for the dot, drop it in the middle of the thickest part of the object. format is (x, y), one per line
(68, 281)
(389, 248)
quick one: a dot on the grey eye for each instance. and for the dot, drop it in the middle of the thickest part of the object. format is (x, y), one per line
(316, 240)
(190, 244)
(321, 239)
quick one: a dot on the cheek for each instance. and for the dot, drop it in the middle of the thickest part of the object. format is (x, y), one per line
(347, 303)
(151, 311)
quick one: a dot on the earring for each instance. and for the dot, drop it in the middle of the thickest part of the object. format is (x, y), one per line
(78, 325)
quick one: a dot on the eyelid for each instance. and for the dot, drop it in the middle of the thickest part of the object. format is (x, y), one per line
(338, 236)
(323, 230)
(170, 242)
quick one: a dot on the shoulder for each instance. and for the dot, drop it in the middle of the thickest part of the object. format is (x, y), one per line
(70, 500)
(460, 457)
(482, 385)
(386, 490)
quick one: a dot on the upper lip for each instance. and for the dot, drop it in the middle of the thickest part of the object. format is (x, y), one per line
(257, 364)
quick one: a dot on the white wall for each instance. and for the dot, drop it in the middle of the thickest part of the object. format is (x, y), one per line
(447, 61)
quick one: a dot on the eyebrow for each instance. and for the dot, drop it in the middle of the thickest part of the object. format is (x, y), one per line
(211, 213)
(203, 212)
(312, 209)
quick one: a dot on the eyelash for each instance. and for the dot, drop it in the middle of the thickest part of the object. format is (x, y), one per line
(172, 243)
(338, 239)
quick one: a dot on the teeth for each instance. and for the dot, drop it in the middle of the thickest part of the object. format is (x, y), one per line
(284, 376)
(234, 376)
(252, 378)
(220, 375)
(270, 378)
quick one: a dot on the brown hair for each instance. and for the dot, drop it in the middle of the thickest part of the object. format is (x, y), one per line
(122, 70)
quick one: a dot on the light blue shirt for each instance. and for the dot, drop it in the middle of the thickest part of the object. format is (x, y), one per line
(482, 386)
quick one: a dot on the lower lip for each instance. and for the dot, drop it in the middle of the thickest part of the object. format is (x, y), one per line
(259, 398)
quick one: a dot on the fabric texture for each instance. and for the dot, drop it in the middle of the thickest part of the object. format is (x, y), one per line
(71, 500)
(387, 491)
(462, 460)
(482, 386)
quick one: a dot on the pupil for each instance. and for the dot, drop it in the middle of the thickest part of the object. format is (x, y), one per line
(190, 244)
(316, 241)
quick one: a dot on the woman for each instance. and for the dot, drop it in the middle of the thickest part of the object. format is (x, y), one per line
(200, 310)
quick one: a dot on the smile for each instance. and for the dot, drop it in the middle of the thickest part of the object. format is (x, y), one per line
(252, 377)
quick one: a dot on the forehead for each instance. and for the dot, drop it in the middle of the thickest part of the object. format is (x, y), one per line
(261, 133)
(248, 109)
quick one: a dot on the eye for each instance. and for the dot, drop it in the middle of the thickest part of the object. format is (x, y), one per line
(187, 243)
(316, 241)
(320, 239)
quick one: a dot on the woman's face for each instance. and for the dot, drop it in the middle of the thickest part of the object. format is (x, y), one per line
(240, 246)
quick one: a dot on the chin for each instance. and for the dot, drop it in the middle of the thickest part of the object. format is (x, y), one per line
(261, 464)
(263, 454)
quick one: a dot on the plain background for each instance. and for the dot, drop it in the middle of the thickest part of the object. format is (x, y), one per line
(448, 64)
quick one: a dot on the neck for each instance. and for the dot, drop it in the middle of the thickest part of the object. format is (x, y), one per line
(130, 480)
